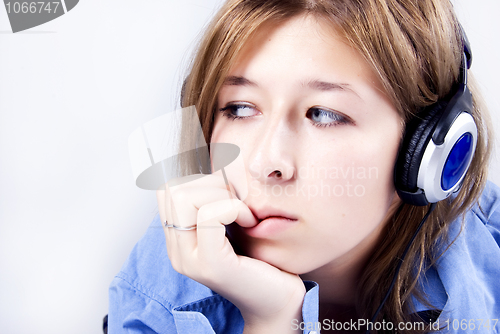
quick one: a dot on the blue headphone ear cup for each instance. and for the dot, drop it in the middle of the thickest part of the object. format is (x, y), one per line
(418, 133)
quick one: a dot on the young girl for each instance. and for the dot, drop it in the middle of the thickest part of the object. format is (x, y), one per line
(330, 227)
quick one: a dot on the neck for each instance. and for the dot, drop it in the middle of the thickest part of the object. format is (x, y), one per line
(338, 280)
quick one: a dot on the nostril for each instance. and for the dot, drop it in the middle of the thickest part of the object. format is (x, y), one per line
(278, 173)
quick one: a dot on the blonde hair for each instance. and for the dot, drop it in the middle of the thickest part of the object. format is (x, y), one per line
(415, 47)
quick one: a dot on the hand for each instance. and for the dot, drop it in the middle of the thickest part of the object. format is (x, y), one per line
(267, 297)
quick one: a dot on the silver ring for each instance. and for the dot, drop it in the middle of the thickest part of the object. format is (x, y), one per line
(180, 228)
(187, 228)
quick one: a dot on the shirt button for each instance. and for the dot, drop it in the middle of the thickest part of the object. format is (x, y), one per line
(313, 332)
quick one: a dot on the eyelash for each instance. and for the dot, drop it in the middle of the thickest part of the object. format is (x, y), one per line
(226, 111)
(341, 119)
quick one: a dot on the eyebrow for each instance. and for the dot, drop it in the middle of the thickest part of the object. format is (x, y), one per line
(234, 80)
(324, 86)
(330, 86)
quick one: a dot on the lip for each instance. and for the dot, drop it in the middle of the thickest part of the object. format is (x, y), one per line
(268, 211)
(272, 221)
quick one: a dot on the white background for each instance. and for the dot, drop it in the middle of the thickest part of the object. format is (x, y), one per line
(71, 92)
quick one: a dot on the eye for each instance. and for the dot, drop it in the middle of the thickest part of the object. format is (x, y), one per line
(238, 111)
(321, 117)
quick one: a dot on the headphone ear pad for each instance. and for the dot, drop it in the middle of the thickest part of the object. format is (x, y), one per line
(418, 133)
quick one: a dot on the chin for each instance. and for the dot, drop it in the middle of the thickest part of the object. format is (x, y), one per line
(280, 256)
(283, 259)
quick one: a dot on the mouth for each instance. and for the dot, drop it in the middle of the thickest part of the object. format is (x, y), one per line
(269, 212)
(272, 222)
(277, 217)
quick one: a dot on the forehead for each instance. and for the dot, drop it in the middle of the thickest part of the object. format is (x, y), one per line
(306, 45)
(307, 31)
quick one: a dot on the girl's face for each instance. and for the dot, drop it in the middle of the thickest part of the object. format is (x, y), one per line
(300, 101)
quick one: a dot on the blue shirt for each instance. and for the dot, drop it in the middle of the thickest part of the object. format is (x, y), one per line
(149, 296)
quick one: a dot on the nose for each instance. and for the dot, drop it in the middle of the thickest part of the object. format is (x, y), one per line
(272, 160)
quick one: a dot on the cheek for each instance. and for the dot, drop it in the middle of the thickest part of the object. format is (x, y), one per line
(216, 131)
(355, 190)
(222, 133)
(354, 170)
(241, 135)
(358, 191)
(231, 158)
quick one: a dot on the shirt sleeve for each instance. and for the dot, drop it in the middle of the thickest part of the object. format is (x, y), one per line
(224, 317)
(469, 269)
(132, 312)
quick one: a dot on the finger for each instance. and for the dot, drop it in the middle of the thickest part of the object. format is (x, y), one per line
(190, 189)
(190, 181)
(212, 241)
(184, 210)
(178, 204)
(161, 198)
(187, 201)
(168, 215)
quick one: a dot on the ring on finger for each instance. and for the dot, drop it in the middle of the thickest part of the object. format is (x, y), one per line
(181, 228)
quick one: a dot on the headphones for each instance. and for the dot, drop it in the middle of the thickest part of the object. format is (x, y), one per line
(436, 152)
(438, 145)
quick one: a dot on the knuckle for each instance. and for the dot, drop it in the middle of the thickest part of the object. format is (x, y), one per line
(205, 213)
(181, 196)
(217, 212)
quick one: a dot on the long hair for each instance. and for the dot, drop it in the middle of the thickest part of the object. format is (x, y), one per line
(415, 48)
